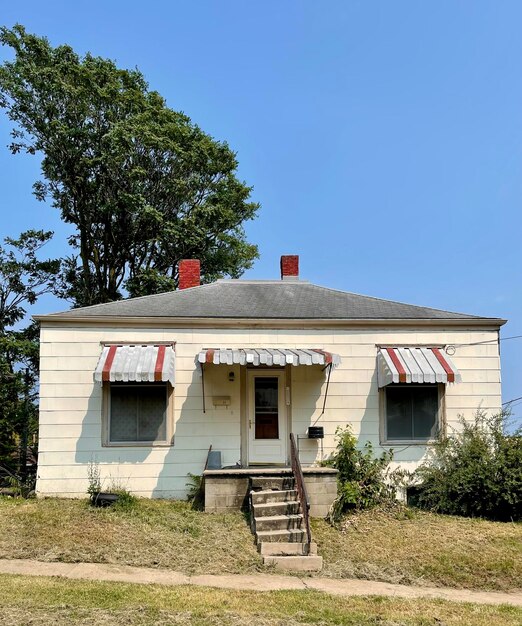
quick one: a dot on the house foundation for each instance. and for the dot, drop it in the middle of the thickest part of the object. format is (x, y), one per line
(226, 490)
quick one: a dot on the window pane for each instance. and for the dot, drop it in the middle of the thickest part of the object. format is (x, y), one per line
(138, 413)
(398, 413)
(152, 412)
(123, 426)
(425, 409)
(412, 412)
(266, 408)
(266, 394)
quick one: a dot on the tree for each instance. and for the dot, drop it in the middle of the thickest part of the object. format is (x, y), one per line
(141, 184)
(23, 278)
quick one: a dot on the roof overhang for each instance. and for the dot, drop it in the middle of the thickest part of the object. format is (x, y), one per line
(229, 322)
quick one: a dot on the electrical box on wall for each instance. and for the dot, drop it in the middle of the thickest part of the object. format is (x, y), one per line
(221, 400)
(315, 432)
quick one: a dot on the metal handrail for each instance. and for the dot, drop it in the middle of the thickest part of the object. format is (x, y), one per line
(301, 489)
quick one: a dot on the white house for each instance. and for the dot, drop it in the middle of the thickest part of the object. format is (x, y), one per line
(145, 386)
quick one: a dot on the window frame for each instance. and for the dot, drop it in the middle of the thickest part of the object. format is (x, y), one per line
(441, 416)
(169, 417)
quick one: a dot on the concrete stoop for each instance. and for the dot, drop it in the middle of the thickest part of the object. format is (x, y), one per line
(278, 525)
(295, 563)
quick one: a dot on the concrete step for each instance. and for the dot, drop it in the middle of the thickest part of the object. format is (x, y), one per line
(269, 509)
(278, 522)
(263, 483)
(262, 497)
(289, 535)
(295, 563)
(283, 548)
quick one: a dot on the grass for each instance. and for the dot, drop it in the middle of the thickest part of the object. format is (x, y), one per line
(154, 533)
(410, 548)
(44, 601)
(420, 548)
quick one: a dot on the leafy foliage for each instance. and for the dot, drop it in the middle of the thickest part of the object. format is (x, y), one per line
(94, 477)
(142, 186)
(475, 472)
(196, 491)
(125, 502)
(364, 480)
(23, 278)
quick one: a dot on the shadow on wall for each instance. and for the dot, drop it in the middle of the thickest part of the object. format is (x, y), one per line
(370, 430)
(308, 388)
(146, 470)
(112, 460)
(196, 430)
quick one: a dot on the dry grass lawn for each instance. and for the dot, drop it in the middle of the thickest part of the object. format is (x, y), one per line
(156, 533)
(46, 601)
(424, 549)
(412, 548)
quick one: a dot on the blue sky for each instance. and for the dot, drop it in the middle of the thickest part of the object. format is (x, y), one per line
(383, 139)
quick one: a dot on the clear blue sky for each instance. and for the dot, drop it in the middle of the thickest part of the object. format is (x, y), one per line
(383, 139)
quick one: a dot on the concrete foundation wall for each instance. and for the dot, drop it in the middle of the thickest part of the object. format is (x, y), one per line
(228, 491)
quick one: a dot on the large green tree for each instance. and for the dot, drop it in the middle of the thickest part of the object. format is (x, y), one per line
(23, 278)
(141, 184)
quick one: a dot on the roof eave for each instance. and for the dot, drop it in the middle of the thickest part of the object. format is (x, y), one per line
(213, 322)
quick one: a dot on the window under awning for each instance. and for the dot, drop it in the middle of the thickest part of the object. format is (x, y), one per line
(136, 363)
(415, 365)
(268, 356)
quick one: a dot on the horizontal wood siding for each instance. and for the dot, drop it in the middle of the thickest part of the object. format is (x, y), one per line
(71, 402)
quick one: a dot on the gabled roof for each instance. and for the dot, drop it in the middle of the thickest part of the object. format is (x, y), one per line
(257, 300)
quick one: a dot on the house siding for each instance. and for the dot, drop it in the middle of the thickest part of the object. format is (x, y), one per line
(71, 402)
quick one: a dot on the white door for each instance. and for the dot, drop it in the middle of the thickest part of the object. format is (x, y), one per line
(267, 417)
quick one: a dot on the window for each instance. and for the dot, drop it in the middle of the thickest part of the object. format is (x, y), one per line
(412, 413)
(137, 413)
(266, 398)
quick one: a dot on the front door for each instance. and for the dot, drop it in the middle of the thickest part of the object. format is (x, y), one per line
(267, 432)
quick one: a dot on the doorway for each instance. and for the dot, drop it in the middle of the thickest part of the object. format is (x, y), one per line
(267, 417)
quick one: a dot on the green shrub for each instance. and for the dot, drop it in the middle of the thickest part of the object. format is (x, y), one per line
(475, 472)
(364, 480)
(196, 491)
(125, 502)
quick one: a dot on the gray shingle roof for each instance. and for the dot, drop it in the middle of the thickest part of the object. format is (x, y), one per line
(262, 300)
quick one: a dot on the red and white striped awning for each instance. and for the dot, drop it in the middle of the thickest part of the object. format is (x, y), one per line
(268, 356)
(415, 365)
(136, 363)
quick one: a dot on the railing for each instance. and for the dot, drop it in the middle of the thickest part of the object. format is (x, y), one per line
(208, 454)
(301, 490)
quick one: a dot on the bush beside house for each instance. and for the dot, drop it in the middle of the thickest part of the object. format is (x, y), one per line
(476, 472)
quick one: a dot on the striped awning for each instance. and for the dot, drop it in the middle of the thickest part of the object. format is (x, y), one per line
(415, 365)
(268, 356)
(136, 363)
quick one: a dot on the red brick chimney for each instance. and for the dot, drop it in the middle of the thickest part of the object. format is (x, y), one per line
(189, 273)
(289, 266)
